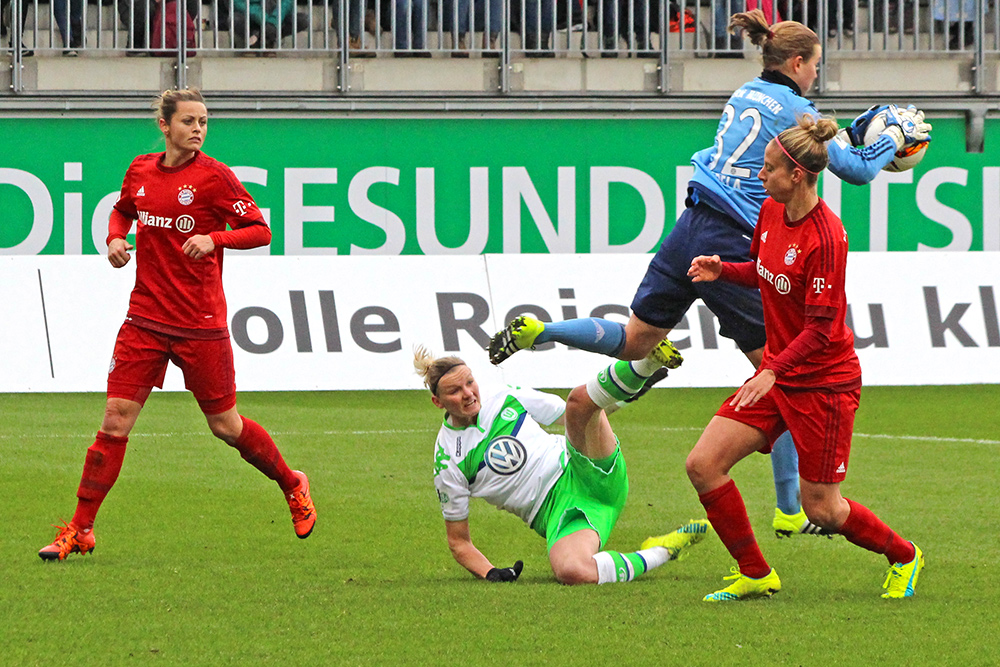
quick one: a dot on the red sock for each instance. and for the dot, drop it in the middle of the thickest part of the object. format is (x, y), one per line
(725, 509)
(869, 532)
(258, 449)
(100, 470)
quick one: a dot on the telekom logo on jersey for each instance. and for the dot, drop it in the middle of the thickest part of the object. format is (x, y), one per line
(780, 281)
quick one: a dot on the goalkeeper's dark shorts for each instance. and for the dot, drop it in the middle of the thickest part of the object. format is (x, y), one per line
(666, 292)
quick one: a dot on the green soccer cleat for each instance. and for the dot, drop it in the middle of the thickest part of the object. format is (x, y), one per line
(518, 335)
(745, 587)
(666, 354)
(786, 525)
(901, 578)
(679, 540)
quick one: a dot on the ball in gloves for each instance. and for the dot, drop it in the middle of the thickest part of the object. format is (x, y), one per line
(906, 157)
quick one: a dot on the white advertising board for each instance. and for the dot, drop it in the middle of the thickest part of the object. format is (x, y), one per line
(302, 323)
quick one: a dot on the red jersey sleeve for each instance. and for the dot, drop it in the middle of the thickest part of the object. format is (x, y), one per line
(126, 200)
(233, 202)
(243, 238)
(741, 273)
(825, 278)
(815, 335)
(118, 226)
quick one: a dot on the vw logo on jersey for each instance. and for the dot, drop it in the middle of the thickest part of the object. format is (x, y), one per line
(185, 223)
(782, 284)
(505, 455)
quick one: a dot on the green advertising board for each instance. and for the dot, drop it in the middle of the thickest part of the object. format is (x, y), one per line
(465, 185)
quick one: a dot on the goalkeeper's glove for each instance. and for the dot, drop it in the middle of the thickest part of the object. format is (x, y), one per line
(505, 573)
(857, 129)
(906, 126)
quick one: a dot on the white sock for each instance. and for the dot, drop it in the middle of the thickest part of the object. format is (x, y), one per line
(605, 568)
(654, 556)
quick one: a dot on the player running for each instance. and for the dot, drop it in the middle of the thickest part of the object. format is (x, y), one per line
(183, 201)
(724, 199)
(569, 489)
(809, 381)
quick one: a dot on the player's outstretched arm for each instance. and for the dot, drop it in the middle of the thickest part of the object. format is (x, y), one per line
(705, 269)
(469, 557)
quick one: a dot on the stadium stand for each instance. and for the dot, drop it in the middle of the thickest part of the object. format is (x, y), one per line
(330, 48)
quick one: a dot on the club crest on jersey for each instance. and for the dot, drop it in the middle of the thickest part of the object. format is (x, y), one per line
(185, 223)
(186, 195)
(508, 414)
(791, 254)
(505, 455)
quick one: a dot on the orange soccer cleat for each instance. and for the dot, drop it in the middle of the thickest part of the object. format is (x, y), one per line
(301, 505)
(69, 540)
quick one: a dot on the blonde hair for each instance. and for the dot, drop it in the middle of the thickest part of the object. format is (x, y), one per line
(779, 42)
(805, 144)
(431, 370)
(165, 103)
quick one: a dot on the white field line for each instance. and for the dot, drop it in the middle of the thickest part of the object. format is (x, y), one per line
(665, 429)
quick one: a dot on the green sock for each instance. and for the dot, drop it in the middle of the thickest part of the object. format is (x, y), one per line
(621, 381)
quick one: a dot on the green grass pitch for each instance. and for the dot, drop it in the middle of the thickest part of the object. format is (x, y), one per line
(197, 563)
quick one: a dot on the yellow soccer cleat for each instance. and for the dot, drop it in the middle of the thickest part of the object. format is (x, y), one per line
(679, 540)
(901, 578)
(786, 525)
(666, 354)
(519, 334)
(746, 587)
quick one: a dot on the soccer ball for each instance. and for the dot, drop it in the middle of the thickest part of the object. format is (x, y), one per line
(906, 157)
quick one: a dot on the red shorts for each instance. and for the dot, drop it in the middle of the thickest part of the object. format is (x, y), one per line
(140, 361)
(821, 424)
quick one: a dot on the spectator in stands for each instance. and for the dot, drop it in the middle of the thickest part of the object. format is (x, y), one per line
(955, 19)
(539, 24)
(486, 17)
(628, 19)
(410, 29)
(4, 29)
(724, 40)
(70, 31)
(139, 16)
(840, 17)
(276, 18)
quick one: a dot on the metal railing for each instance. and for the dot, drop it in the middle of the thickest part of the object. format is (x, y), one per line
(505, 30)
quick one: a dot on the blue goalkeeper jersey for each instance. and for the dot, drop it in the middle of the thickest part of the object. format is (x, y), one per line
(758, 111)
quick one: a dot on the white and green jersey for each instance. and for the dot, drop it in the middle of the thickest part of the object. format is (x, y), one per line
(505, 457)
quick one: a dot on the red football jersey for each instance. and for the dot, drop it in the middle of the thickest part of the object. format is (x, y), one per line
(803, 265)
(183, 295)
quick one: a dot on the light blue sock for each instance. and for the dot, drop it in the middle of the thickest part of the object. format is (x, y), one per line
(590, 333)
(785, 462)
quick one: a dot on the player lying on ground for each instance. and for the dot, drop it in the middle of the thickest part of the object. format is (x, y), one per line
(569, 489)
(809, 381)
(724, 199)
(183, 201)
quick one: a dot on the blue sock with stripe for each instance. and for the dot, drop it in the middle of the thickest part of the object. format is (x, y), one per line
(592, 334)
(785, 463)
